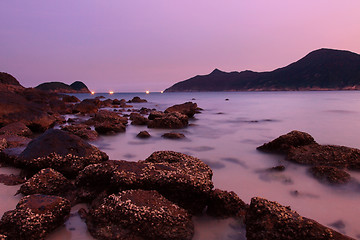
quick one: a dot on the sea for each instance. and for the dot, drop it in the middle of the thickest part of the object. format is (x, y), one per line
(225, 136)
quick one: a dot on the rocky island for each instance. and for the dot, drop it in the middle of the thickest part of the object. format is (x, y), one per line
(75, 87)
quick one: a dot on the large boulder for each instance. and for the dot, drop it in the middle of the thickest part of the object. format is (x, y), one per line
(46, 181)
(188, 109)
(15, 107)
(182, 179)
(285, 142)
(34, 217)
(272, 221)
(140, 215)
(327, 155)
(173, 120)
(61, 151)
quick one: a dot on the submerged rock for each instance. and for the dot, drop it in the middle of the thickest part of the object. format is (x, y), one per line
(173, 135)
(189, 109)
(330, 174)
(34, 217)
(285, 142)
(61, 151)
(139, 214)
(137, 100)
(143, 134)
(11, 180)
(138, 119)
(272, 221)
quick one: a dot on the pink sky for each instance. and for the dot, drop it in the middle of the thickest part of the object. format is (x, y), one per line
(143, 45)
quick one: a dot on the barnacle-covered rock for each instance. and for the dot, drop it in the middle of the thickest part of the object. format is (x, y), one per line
(327, 155)
(188, 108)
(272, 221)
(140, 215)
(34, 217)
(61, 151)
(173, 120)
(224, 204)
(182, 179)
(285, 142)
(47, 181)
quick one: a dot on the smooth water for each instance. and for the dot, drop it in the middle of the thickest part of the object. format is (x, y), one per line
(225, 136)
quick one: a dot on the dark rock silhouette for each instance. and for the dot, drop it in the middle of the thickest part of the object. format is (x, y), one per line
(75, 87)
(323, 69)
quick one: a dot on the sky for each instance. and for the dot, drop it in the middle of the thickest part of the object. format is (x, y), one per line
(138, 45)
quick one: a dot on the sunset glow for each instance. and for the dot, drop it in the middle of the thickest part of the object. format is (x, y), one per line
(111, 92)
(147, 91)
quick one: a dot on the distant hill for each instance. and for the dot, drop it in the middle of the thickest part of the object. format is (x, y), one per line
(6, 78)
(76, 87)
(323, 69)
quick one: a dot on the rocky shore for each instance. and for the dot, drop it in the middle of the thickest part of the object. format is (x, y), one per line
(154, 198)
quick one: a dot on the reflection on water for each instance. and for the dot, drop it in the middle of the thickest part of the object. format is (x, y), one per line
(228, 141)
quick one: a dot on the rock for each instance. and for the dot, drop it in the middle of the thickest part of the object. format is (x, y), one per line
(330, 174)
(173, 135)
(34, 217)
(143, 134)
(327, 155)
(46, 181)
(183, 179)
(188, 109)
(15, 107)
(108, 128)
(156, 114)
(61, 151)
(3, 143)
(13, 141)
(118, 102)
(283, 143)
(70, 99)
(16, 128)
(137, 100)
(87, 106)
(6, 78)
(106, 103)
(59, 106)
(272, 221)
(11, 180)
(223, 204)
(279, 168)
(138, 119)
(172, 120)
(107, 116)
(81, 130)
(139, 214)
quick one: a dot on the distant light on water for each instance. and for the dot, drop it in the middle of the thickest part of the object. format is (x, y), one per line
(92, 92)
(161, 91)
(111, 92)
(147, 91)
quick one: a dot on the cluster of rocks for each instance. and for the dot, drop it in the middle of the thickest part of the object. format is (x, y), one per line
(328, 162)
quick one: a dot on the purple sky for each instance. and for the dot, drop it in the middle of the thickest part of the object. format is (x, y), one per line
(140, 45)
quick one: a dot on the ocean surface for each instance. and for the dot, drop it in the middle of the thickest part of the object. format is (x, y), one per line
(225, 136)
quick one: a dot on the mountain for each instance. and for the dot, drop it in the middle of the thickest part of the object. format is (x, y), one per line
(75, 87)
(323, 69)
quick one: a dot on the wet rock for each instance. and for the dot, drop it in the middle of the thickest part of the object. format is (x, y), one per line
(223, 204)
(34, 217)
(279, 168)
(139, 214)
(13, 141)
(61, 151)
(143, 134)
(108, 128)
(137, 100)
(188, 109)
(182, 179)
(59, 106)
(15, 107)
(106, 103)
(3, 143)
(118, 102)
(11, 180)
(173, 120)
(70, 99)
(156, 114)
(107, 116)
(173, 135)
(272, 221)
(46, 181)
(285, 142)
(138, 119)
(326, 155)
(87, 106)
(330, 174)
(81, 130)
(16, 128)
